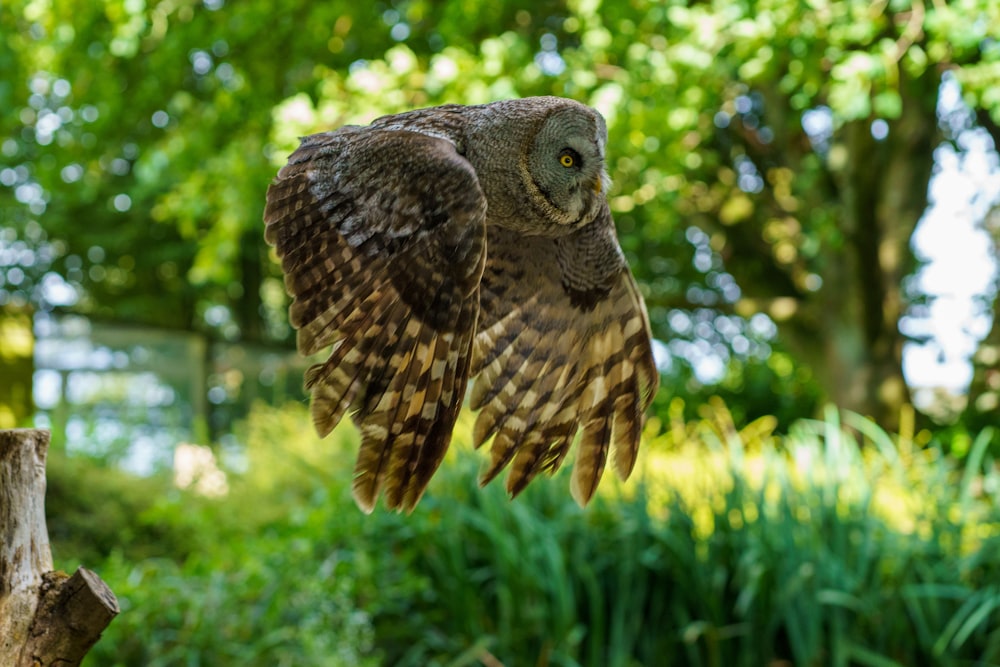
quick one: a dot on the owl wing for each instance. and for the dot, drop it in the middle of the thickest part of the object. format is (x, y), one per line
(381, 237)
(563, 344)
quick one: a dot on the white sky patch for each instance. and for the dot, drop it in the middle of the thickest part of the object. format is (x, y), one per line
(961, 265)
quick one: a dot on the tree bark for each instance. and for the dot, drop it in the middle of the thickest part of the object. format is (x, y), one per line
(984, 390)
(862, 206)
(883, 188)
(46, 617)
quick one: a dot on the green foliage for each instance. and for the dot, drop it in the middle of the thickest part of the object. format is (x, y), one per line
(270, 602)
(141, 136)
(93, 510)
(204, 581)
(837, 544)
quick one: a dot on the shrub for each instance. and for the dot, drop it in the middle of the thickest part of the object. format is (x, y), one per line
(836, 544)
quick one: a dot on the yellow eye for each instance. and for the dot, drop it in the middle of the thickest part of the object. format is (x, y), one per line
(567, 160)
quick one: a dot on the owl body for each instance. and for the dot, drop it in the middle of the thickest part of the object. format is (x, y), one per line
(461, 243)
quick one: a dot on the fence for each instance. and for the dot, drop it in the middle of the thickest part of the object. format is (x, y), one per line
(133, 393)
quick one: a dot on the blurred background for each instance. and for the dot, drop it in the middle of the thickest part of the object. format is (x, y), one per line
(808, 194)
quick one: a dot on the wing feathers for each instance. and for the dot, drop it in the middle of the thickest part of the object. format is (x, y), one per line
(628, 422)
(386, 441)
(551, 362)
(592, 454)
(382, 259)
(336, 383)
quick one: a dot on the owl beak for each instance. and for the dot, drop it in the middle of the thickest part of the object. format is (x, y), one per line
(598, 185)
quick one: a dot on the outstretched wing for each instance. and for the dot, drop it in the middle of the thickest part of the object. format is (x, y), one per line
(381, 236)
(563, 344)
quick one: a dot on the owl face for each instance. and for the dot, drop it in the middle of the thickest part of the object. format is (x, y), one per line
(565, 165)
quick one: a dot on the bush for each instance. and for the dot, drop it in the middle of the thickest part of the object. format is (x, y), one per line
(274, 603)
(824, 547)
(93, 510)
(244, 580)
(833, 545)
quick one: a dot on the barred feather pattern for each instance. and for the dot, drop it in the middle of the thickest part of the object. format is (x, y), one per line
(383, 261)
(555, 354)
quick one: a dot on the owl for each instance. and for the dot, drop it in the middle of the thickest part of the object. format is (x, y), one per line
(459, 244)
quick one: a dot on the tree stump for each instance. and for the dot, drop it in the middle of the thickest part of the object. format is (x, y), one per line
(47, 618)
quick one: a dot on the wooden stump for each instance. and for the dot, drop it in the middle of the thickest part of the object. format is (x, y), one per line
(46, 618)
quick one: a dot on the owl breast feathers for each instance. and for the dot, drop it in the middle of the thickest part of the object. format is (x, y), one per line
(455, 243)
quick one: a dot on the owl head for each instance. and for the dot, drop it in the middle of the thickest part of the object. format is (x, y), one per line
(565, 165)
(558, 182)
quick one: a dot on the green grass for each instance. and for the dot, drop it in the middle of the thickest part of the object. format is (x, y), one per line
(836, 544)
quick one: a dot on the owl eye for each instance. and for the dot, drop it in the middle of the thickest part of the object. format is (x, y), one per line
(568, 158)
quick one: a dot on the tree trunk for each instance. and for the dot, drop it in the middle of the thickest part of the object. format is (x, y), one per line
(883, 192)
(984, 390)
(863, 209)
(47, 618)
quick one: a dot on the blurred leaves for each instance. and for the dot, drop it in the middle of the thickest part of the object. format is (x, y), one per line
(141, 137)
